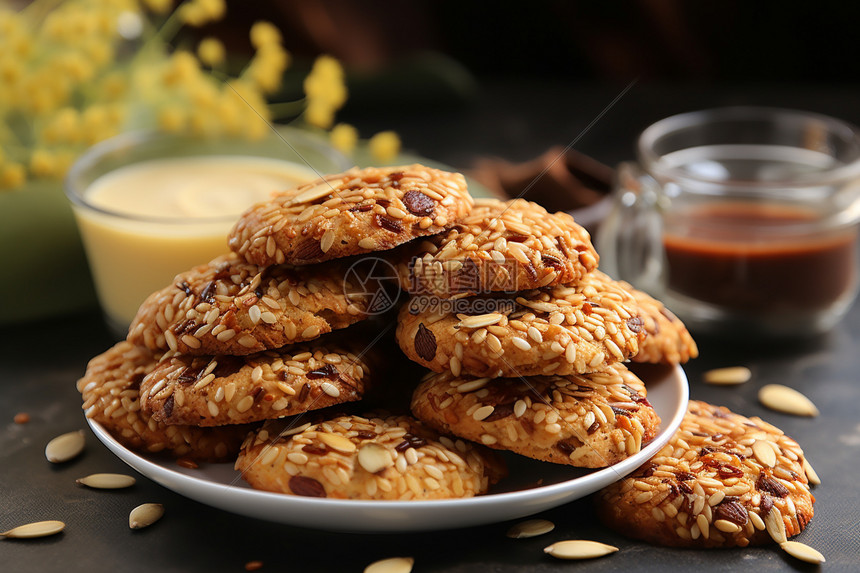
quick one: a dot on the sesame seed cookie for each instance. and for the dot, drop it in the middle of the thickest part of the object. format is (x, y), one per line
(111, 395)
(231, 307)
(724, 480)
(590, 421)
(351, 213)
(217, 390)
(668, 340)
(500, 246)
(354, 457)
(561, 330)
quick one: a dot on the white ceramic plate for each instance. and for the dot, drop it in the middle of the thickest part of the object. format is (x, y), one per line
(532, 486)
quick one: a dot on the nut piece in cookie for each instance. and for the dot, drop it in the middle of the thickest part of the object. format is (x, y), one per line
(359, 211)
(355, 457)
(217, 390)
(724, 480)
(500, 246)
(110, 390)
(562, 330)
(592, 420)
(231, 307)
(668, 340)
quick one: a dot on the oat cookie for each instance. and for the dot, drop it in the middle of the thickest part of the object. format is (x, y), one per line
(110, 390)
(359, 211)
(231, 307)
(500, 246)
(217, 390)
(353, 457)
(591, 420)
(668, 340)
(561, 330)
(723, 480)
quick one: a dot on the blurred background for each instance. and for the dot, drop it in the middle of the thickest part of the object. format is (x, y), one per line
(499, 78)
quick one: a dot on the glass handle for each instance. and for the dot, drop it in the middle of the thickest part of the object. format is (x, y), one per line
(629, 239)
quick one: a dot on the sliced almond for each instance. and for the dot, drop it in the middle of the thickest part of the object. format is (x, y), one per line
(802, 551)
(764, 453)
(472, 385)
(145, 515)
(481, 320)
(36, 529)
(316, 192)
(775, 526)
(530, 528)
(337, 442)
(784, 399)
(391, 565)
(579, 549)
(65, 447)
(106, 481)
(810, 473)
(374, 458)
(728, 376)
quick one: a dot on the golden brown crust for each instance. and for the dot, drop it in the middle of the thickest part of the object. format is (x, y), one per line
(353, 457)
(110, 391)
(562, 330)
(591, 421)
(217, 390)
(359, 211)
(232, 307)
(723, 480)
(668, 340)
(500, 246)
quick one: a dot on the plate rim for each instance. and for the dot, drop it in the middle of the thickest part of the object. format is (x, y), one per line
(537, 497)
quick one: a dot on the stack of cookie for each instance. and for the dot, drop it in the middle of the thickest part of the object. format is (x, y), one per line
(253, 357)
(245, 339)
(528, 338)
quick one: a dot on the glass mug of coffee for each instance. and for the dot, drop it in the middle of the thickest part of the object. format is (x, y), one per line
(743, 220)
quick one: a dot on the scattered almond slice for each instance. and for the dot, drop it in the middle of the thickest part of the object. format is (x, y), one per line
(106, 481)
(579, 549)
(65, 447)
(145, 515)
(802, 551)
(784, 399)
(391, 565)
(530, 528)
(728, 376)
(36, 529)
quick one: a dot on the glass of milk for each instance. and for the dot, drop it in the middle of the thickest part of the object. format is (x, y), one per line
(152, 205)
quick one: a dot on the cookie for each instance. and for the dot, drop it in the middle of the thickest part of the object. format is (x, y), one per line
(231, 307)
(668, 340)
(561, 330)
(217, 390)
(351, 213)
(500, 246)
(589, 421)
(724, 480)
(353, 457)
(110, 391)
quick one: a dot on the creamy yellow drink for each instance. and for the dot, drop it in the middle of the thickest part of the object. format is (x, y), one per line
(146, 222)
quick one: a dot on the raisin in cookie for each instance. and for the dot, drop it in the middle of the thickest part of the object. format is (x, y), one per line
(355, 457)
(359, 211)
(724, 480)
(668, 340)
(591, 421)
(231, 307)
(561, 330)
(216, 390)
(110, 390)
(500, 246)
